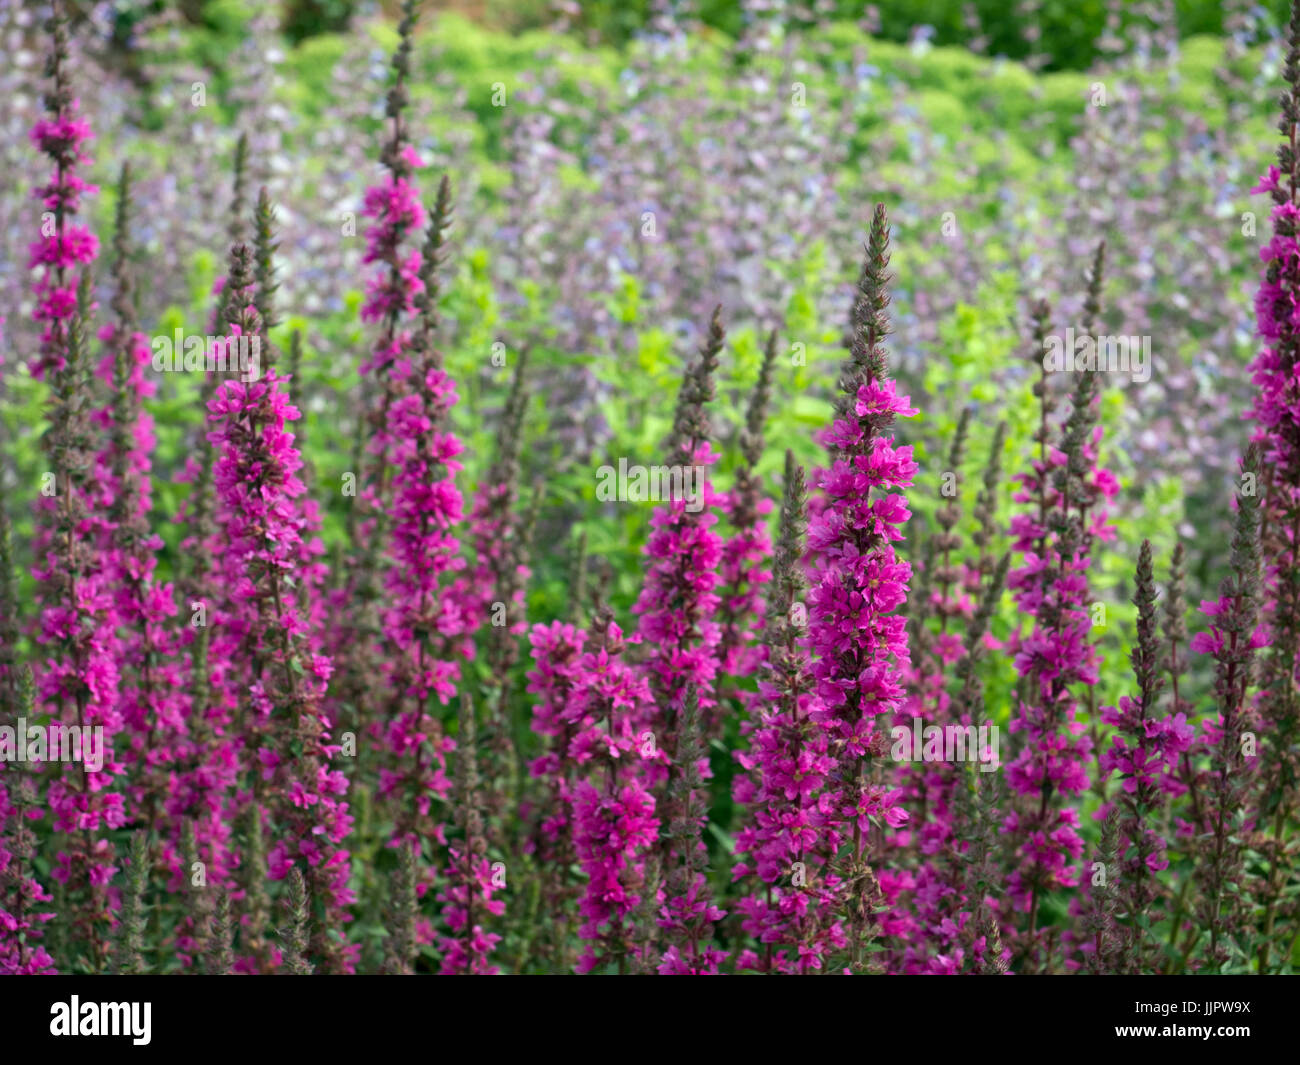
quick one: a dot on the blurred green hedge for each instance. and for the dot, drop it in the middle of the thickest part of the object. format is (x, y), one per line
(1069, 28)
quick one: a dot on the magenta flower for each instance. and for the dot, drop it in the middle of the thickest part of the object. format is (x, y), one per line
(859, 643)
(1068, 492)
(256, 478)
(613, 815)
(678, 600)
(77, 679)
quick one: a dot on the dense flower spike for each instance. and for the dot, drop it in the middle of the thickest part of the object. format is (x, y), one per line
(402, 625)
(1144, 756)
(614, 818)
(467, 897)
(23, 899)
(1276, 374)
(77, 681)
(858, 639)
(1069, 491)
(558, 680)
(208, 793)
(65, 247)
(391, 371)
(787, 765)
(1236, 633)
(424, 629)
(678, 601)
(152, 703)
(257, 481)
(688, 914)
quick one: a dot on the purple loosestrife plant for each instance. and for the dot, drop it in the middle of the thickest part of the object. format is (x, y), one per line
(21, 952)
(1276, 375)
(559, 716)
(614, 817)
(1144, 756)
(678, 600)
(23, 899)
(688, 913)
(397, 215)
(312, 572)
(421, 624)
(789, 912)
(677, 606)
(858, 640)
(467, 894)
(65, 246)
(212, 798)
(151, 694)
(78, 680)
(746, 550)
(208, 770)
(1236, 632)
(257, 481)
(226, 694)
(1070, 492)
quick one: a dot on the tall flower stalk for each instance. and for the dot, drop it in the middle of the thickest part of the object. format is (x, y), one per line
(1276, 374)
(422, 626)
(257, 482)
(859, 640)
(467, 896)
(1069, 491)
(678, 600)
(1236, 632)
(746, 550)
(1144, 756)
(23, 899)
(153, 707)
(789, 911)
(396, 219)
(689, 913)
(614, 816)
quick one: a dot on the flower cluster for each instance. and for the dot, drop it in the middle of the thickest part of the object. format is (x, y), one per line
(1067, 491)
(787, 764)
(313, 767)
(858, 583)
